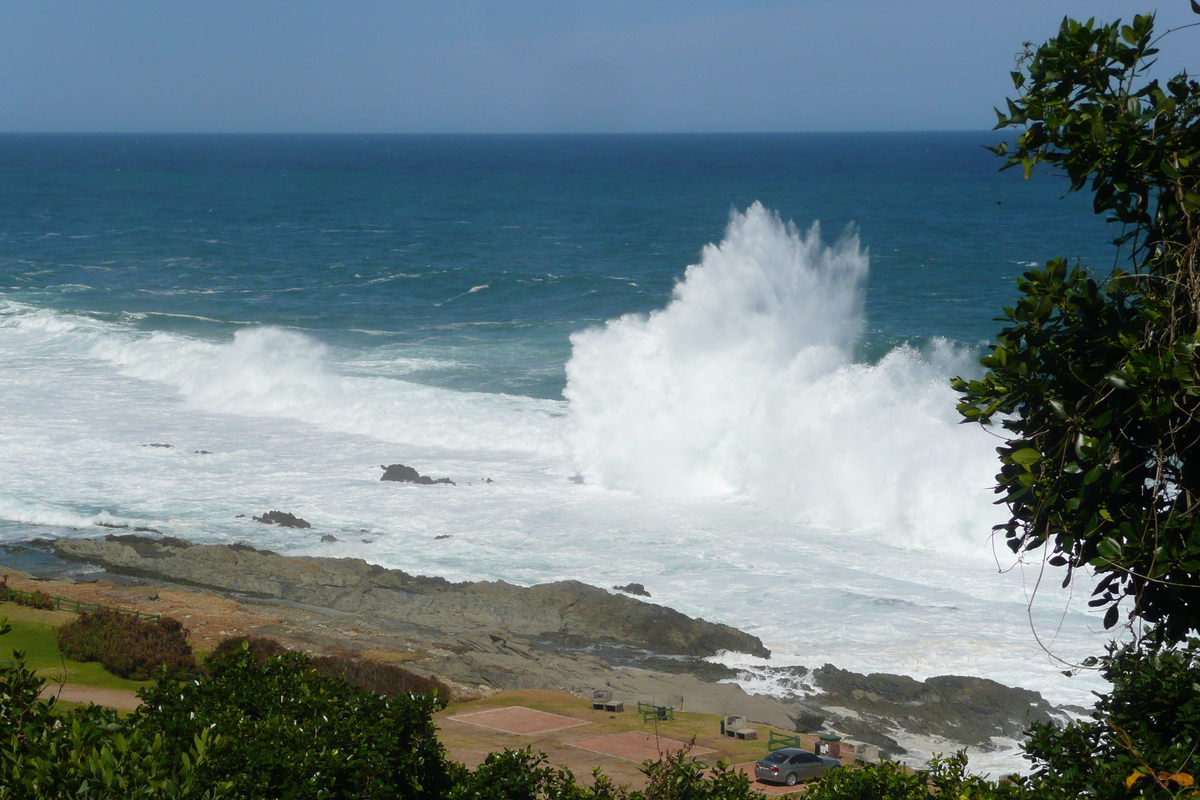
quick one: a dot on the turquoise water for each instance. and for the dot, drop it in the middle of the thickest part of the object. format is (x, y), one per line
(379, 241)
(666, 381)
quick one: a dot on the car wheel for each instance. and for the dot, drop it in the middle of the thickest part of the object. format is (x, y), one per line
(790, 780)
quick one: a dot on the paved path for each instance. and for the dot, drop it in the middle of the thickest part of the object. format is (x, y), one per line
(113, 698)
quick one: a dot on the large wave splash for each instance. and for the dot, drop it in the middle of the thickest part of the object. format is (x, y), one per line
(745, 384)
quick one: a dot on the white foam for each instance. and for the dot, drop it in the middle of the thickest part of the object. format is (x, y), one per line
(745, 384)
(273, 372)
(27, 513)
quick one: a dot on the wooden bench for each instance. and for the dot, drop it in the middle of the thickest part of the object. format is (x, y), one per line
(652, 712)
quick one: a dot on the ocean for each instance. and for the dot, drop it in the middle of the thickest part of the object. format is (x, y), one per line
(716, 365)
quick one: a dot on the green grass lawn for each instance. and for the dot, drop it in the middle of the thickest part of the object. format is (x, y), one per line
(34, 633)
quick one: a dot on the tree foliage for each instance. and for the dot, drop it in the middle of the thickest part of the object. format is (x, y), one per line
(90, 753)
(1096, 380)
(1142, 739)
(286, 731)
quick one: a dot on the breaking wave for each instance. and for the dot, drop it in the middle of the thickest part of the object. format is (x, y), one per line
(746, 384)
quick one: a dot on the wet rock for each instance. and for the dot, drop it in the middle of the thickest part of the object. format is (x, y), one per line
(565, 614)
(282, 518)
(158, 444)
(633, 588)
(444, 536)
(202, 452)
(329, 537)
(403, 474)
(963, 709)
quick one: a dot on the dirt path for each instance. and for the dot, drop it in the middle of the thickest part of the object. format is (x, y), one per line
(113, 698)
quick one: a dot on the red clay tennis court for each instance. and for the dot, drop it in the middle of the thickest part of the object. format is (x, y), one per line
(636, 746)
(519, 720)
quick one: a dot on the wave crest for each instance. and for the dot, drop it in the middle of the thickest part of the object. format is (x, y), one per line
(745, 384)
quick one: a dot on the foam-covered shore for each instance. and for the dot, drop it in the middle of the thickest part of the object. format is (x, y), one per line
(567, 636)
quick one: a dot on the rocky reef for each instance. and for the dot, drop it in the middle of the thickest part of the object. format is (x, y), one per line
(564, 614)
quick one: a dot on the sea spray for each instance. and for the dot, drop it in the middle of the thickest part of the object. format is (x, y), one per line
(745, 384)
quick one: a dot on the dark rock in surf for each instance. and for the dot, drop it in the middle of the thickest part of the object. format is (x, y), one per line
(157, 444)
(329, 537)
(965, 709)
(403, 474)
(633, 588)
(282, 518)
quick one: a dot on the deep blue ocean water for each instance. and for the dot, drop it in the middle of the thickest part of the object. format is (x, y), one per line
(666, 382)
(370, 239)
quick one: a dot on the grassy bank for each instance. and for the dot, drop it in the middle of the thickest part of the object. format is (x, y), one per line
(34, 632)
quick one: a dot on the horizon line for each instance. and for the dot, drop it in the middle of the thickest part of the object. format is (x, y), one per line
(494, 133)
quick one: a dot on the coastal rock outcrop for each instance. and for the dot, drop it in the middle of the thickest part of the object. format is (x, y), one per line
(403, 474)
(633, 588)
(560, 615)
(282, 518)
(962, 709)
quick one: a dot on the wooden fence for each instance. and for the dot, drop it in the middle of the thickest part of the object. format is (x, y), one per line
(69, 603)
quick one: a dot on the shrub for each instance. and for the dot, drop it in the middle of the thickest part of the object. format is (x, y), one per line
(260, 647)
(385, 679)
(34, 599)
(284, 730)
(126, 645)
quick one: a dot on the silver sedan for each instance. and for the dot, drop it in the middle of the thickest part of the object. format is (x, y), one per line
(791, 766)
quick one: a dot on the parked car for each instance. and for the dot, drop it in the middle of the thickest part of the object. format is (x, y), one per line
(790, 766)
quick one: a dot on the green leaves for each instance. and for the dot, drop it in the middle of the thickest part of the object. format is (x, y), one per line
(1026, 457)
(1095, 381)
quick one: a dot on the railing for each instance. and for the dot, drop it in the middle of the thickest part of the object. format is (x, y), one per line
(778, 741)
(69, 603)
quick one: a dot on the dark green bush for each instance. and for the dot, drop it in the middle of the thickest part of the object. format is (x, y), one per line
(385, 679)
(126, 645)
(34, 599)
(260, 647)
(287, 731)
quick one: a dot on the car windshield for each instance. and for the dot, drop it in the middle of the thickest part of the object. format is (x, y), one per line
(776, 758)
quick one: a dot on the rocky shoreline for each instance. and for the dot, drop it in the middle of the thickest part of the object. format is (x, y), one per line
(486, 636)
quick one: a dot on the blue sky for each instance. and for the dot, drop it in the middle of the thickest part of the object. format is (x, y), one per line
(524, 65)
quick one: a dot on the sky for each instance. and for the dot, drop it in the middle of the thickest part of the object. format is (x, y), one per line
(526, 66)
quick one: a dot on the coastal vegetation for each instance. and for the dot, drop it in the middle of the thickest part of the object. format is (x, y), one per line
(127, 645)
(1095, 382)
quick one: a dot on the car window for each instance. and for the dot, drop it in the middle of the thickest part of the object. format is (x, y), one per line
(805, 758)
(776, 758)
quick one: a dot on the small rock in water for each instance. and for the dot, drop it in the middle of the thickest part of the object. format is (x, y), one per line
(368, 541)
(445, 536)
(403, 474)
(156, 444)
(329, 537)
(633, 588)
(203, 452)
(282, 518)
